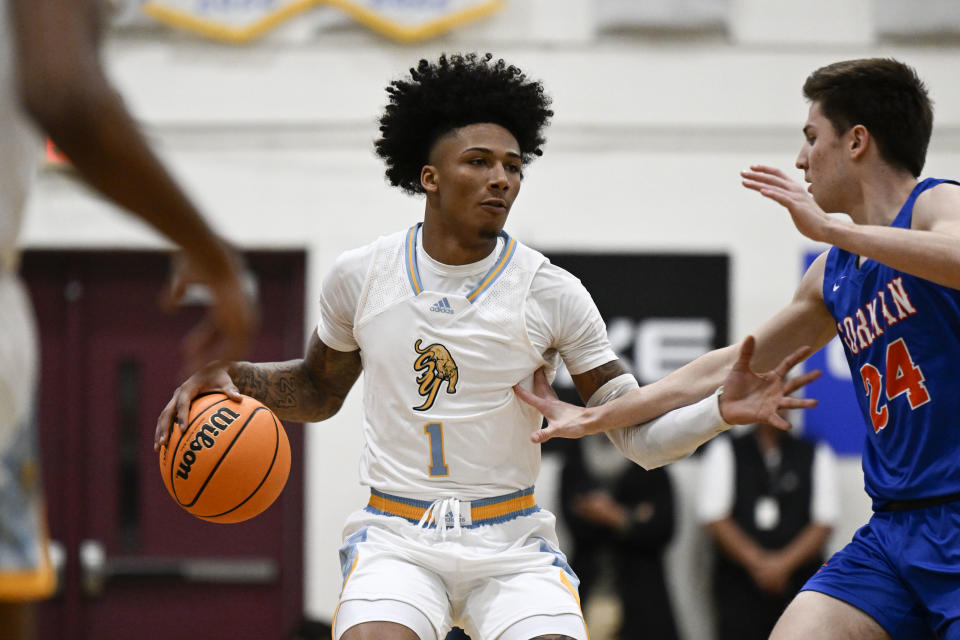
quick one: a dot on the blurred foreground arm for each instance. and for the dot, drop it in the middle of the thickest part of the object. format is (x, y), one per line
(63, 87)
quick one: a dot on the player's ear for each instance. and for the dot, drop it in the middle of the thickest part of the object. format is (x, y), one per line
(859, 140)
(429, 178)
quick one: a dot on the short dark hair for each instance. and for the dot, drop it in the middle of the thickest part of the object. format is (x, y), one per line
(453, 92)
(885, 96)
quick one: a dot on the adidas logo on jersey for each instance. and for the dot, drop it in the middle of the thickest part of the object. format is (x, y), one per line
(442, 306)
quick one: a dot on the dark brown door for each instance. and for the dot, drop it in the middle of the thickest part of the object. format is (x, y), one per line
(135, 565)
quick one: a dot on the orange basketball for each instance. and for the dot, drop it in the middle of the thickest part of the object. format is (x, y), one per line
(232, 461)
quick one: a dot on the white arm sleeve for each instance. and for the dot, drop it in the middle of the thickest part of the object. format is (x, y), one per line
(670, 437)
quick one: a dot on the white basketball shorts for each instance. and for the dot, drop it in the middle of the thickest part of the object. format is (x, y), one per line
(484, 578)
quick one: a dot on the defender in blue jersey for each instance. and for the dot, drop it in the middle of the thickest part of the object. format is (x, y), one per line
(890, 287)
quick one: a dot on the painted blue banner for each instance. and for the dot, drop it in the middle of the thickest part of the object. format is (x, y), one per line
(837, 420)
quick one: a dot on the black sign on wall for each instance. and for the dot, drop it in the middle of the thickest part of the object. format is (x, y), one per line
(661, 310)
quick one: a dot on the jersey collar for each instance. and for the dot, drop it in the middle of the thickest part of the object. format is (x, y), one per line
(413, 269)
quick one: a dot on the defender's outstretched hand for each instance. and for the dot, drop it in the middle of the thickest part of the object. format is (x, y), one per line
(750, 397)
(772, 183)
(564, 420)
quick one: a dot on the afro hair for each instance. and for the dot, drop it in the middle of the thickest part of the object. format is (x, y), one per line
(454, 92)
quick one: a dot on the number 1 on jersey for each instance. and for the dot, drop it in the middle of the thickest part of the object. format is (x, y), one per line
(438, 466)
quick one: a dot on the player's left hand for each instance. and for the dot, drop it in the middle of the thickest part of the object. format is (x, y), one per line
(749, 397)
(772, 183)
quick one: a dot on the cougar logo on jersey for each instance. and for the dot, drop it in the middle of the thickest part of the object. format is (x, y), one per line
(437, 366)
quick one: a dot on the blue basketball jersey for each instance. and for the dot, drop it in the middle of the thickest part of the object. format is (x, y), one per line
(901, 336)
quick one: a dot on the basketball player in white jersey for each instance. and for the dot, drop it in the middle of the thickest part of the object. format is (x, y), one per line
(50, 73)
(444, 318)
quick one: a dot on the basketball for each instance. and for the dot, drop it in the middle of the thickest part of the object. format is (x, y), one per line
(230, 463)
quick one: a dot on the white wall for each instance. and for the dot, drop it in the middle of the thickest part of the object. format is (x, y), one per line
(275, 141)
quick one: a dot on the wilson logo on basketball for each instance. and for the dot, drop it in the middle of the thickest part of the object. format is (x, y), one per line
(231, 463)
(204, 439)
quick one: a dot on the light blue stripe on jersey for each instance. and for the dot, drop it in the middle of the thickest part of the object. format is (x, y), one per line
(509, 248)
(413, 269)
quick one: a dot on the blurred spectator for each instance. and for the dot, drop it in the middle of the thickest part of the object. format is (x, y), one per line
(620, 519)
(768, 501)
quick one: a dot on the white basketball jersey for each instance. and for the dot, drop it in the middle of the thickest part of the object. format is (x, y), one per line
(19, 147)
(440, 415)
(18, 160)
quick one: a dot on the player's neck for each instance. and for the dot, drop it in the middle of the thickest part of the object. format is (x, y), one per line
(881, 196)
(453, 248)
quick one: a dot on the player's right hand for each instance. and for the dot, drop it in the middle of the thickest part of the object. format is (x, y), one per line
(211, 378)
(774, 184)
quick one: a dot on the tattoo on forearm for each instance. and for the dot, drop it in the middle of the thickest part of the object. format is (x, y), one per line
(274, 384)
(302, 390)
(285, 391)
